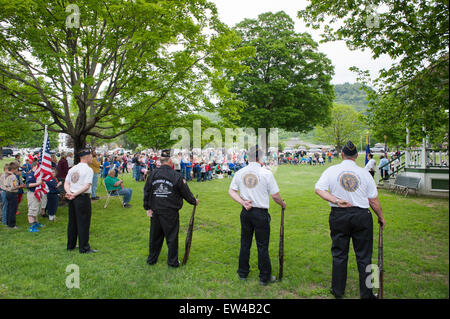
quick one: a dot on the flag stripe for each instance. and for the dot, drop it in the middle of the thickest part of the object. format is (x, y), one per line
(44, 170)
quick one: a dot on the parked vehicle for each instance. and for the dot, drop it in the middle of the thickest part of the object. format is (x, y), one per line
(377, 149)
(6, 152)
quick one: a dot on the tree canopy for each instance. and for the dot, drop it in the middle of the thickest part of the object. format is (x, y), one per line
(415, 34)
(351, 94)
(346, 125)
(99, 68)
(287, 84)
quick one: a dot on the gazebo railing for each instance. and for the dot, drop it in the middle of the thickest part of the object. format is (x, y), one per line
(437, 158)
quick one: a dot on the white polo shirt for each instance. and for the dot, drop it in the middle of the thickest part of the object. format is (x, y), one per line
(349, 182)
(80, 175)
(371, 165)
(255, 183)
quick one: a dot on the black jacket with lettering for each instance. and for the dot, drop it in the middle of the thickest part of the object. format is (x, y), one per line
(165, 189)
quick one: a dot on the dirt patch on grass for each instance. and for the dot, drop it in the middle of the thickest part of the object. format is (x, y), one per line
(426, 203)
(431, 275)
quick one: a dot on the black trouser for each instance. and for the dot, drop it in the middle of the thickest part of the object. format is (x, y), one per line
(164, 223)
(355, 223)
(79, 222)
(256, 220)
(13, 202)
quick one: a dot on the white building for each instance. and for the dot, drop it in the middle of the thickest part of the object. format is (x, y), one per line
(62, 142)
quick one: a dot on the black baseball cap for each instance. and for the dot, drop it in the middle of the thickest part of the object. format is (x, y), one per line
(165, 153)
(84, 152)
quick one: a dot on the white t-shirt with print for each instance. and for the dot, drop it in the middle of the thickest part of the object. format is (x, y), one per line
(255, 183)
(80, 175)
(349, 182)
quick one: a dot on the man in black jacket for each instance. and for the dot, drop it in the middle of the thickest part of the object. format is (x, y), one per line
(163, 197)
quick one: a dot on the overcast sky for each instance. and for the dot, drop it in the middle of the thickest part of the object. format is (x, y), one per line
(234, 11)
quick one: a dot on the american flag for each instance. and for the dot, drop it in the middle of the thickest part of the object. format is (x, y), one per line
(44, 170)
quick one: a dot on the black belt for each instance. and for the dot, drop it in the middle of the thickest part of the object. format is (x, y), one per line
(258, 208)
(348, 209)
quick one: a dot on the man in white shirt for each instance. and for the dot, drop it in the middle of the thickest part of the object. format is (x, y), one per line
(351, 190)
(78, 190)
(371, 165)
(255, 184)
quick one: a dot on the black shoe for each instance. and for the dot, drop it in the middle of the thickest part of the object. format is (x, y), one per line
(151, 264)
(242, 278)
(270, 281)
(335, 295)
(176, 265)
(90, 251)
(126, 205)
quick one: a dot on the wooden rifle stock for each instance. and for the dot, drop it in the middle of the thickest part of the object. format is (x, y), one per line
(190, 231)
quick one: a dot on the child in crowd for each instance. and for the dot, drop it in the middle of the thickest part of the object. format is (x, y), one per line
(53, 196)
(3, 193)
(34, 205)
(106, 167)
(321, 161)
(12, 187)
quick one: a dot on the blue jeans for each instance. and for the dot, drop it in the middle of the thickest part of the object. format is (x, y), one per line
(134, 172)
(94, 185)
(126, 192)
(138, 173)
(188, 174)
(4, 208)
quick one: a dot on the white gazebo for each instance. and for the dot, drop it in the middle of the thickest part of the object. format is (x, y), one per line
(428, 164)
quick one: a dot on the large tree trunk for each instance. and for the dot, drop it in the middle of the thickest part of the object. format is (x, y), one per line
(79, 142)
(338, 150)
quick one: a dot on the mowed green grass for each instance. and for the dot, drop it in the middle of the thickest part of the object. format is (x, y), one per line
(416, 249)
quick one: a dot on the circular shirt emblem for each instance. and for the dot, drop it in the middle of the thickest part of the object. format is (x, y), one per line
(349, 182)
(75, 177)
(250, 180)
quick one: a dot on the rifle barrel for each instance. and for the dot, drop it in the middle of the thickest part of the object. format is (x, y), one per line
(380, 263)
(190, 231)
(281, 248)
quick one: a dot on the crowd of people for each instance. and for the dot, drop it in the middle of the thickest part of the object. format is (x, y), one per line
(18, 176)
(199, 167)
(306, 158)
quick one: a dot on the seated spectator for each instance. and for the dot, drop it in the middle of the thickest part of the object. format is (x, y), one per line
(114, 184)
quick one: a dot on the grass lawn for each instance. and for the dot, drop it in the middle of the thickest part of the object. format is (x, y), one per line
(416, 248)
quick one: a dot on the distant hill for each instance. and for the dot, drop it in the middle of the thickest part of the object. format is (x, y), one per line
(351, 94)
